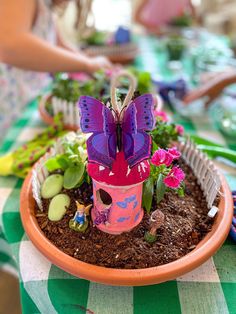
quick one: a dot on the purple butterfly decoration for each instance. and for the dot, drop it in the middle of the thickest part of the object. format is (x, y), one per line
(110, 132)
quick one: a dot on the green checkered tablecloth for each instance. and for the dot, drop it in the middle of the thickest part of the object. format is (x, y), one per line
(44, 288)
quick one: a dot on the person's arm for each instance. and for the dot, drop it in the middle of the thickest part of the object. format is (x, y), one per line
(212, 88)
(142, 21)
(21, 48)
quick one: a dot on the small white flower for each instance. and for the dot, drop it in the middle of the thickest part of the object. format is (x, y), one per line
(70, 137)
(83, 153)
(81, 138)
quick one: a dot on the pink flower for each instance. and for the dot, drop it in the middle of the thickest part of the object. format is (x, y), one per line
(79, 76)
(161, 157)
(161, 114)
(174, 152)
(110, 41)
(113, 71)
(179, 129)
(174, 178)
(109, 72)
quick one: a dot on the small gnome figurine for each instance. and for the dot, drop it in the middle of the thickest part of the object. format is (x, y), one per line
(156, 221)
(80, 222)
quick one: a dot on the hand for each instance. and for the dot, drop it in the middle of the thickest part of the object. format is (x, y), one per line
(211, 88)
(99, 63)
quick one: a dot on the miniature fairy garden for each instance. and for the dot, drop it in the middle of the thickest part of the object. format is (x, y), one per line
(118, 46)
(119, 194)
(69, 87)
(101, 38)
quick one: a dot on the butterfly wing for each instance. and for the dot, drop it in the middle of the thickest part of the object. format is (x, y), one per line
(142, 148)
(110, 131)
(144, 105)
(129, 128)
(96, 118)
(138, 118)
(98, 152)
(91, 118)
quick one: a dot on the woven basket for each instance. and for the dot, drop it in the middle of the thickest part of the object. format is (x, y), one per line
(123, 54)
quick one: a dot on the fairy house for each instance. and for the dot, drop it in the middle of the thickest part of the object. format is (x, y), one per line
(118, 150)
(117, 194)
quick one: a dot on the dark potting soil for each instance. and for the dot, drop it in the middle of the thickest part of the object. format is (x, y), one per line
(186, 223)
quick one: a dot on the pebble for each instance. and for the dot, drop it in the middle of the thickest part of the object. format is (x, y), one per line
(58, 206)
(51, 186)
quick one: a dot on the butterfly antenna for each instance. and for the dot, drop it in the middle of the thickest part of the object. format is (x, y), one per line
(109, 105)
(122, 111)
(116, 113)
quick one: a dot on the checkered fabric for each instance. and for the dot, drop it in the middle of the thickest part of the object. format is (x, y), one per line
(44, 288)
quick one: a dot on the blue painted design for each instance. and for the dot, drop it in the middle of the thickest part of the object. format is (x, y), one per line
(122, 219)
(122, 204)
(135, 204)
(137, 216)
(130, 198)
(94, 184)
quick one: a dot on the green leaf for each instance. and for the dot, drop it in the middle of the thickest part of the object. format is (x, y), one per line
(215, 151)
(87, 178)
(150, 238)
(68, 150)
(154, 147)
(63, 162)
(73, 175)
(98, 38)
(52, 164)
(180, 192)
(160, 188)
(202, 141)
(164, 133)
(148, 190)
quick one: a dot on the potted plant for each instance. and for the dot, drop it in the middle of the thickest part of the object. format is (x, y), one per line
(67, 88)
(169, 240)
(117, 46)
(176, 47)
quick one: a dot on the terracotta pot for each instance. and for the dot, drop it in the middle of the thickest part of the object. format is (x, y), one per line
(46, 117)
(136, 277)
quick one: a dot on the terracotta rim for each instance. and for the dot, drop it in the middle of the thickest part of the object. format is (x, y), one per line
(122, 277)
(46, 117)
